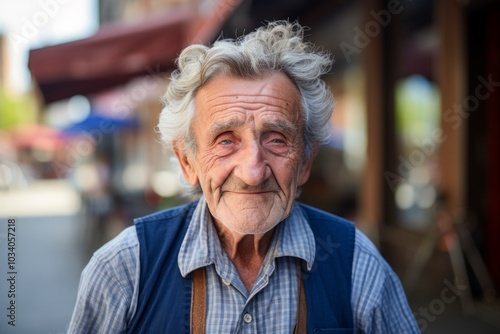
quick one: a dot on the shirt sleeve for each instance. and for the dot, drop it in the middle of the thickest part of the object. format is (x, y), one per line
(378, 299)
(108, 287)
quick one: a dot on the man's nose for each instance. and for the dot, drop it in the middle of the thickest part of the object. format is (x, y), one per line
(252, 167)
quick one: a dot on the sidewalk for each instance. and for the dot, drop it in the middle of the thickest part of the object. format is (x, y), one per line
(48, 257)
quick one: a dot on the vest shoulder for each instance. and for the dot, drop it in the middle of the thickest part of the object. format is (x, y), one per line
(167, 214)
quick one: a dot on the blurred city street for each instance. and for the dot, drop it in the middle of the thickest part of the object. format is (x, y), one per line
(49, 236)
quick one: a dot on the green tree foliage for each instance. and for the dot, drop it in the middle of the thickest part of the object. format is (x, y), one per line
(15, 110)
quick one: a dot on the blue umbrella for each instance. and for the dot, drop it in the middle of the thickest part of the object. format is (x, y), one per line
(103, 124)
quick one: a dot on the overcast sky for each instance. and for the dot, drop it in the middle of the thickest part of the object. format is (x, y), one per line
(37, 23)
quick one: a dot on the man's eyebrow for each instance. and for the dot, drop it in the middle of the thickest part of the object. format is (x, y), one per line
(220, 127)
(286, 127)
(283, 126)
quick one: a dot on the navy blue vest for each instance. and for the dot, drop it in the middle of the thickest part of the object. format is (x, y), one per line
(164, 303)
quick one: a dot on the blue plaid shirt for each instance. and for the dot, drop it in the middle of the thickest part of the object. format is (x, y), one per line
(108, 292)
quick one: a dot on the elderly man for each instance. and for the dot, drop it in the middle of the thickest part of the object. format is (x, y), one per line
(245, 119)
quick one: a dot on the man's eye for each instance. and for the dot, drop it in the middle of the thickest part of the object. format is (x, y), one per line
(226, 142)
(277, 141)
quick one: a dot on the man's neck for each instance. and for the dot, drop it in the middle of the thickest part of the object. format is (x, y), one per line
(246, 252)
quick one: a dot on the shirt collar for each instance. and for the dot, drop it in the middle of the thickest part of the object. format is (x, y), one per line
(201, 246)
(296, 237)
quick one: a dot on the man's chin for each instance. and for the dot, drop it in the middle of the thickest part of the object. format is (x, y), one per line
(252, 220)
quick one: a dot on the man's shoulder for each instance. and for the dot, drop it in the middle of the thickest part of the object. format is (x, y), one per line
(125, 242)
(368, 255)
(365, 245)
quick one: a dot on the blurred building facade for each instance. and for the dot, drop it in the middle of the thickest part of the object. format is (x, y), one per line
(132, 10)
(413, 158)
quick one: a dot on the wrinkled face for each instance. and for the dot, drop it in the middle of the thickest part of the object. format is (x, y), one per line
(249, 150)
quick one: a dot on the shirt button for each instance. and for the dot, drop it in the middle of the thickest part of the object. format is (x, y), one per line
(247, 318)
(226, 282)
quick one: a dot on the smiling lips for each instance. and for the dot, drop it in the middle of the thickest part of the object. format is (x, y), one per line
(235, 185)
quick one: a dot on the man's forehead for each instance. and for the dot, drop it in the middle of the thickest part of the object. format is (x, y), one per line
(272, 83)
(273, 93)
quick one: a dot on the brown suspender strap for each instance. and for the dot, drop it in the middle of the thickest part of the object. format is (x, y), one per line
(198, 302)
(301, 324)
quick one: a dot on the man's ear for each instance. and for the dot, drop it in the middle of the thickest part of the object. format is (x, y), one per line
(186, 163)
(305, 168)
